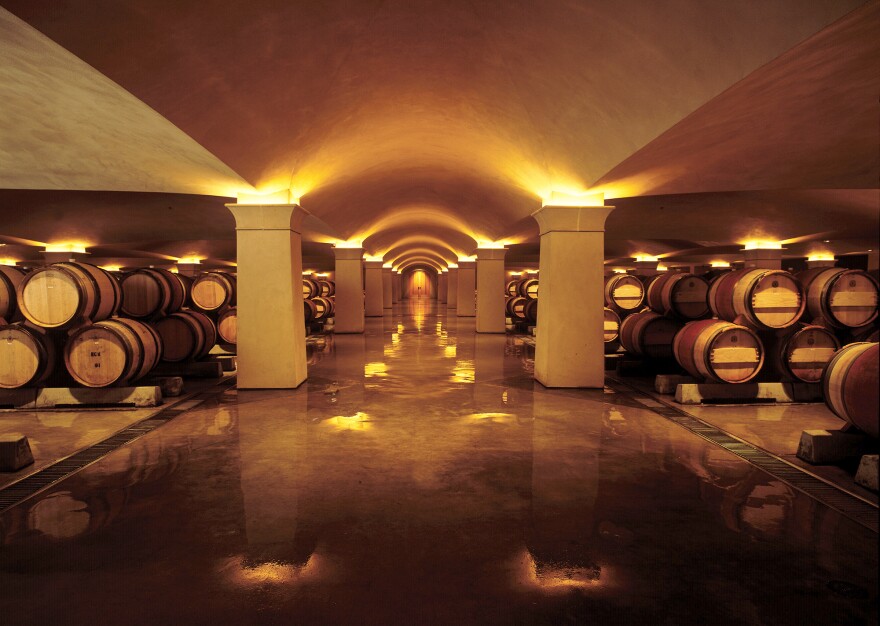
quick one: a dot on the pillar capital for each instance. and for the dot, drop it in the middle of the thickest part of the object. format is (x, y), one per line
(466, 265)
(572, 219)
(349, 254)
(268, 216)
(373, 265)
(764, 258)
(491, 254)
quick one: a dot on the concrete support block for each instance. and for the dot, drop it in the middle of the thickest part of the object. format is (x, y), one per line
(387, 288)
(15, 452)
(195, 369)
(666, 383)
(17, 398)
(822, 447)
(747, 393)
(866, 475)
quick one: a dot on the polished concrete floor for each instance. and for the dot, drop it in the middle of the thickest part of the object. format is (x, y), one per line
(420, 476)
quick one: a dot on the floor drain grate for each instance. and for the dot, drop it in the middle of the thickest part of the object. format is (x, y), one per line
(848, 504)
(36, 482)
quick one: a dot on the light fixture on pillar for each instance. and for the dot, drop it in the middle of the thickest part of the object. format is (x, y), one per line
(281, 196)
(190, 260)
(453, 266)
(466, 259)
(574, 199)
(820, 257)
(9, 262)
(762, 253)
(386, 265)
(75, 248)
(719, 264)
(110, 268)
(351, 243)
(762, 244)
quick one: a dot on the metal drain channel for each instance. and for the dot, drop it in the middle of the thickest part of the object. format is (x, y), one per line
(48, 476)
(829, 494)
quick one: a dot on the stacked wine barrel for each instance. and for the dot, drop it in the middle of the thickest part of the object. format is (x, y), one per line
(521, 301)
(75, 323)
(319, 303)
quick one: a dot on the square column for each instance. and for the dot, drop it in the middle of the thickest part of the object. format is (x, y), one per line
(349, 290)
(374, 292)
(387, 288)
(569, 347)
(452, 287)
(467, 285)
(271, 326)
(763, 258)
(490, 290)
(442, 287)
(395, 287)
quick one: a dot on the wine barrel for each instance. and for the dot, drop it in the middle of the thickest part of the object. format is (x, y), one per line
(851, 387)
(514, 308)
(843, 298)
(679, 295)
(327, 287)
(310, 310)
(311, 288)
(187, 283)
(624, 293)
(186, 335)
(111, 352)
(719, 351)
(528, 288)
(512, 288)
(611, 331)
(213, 291)
(325, 307)
(64, 294)
(227, 325)
(27, 356)
(530, 311)
(803, 354)
(151, 292)
(769, 299)
(10, 279)
(649, 334)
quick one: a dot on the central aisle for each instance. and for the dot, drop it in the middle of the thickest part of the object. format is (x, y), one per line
(420, 476)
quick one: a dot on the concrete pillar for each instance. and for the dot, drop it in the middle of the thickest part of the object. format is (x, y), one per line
(569, 350)
(395, 287)
(768, 259)
(271, 329)
(193, 269)
(349, 290)
(490, 290)
(373, 290)
(387, 288)
(646, 268)
(466, 305)
(442, 287)
(820, 263)
(452, 287)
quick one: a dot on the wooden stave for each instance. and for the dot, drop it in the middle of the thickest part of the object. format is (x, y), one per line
(512, 288)
(143, 349)
(818, 283)
(10, 279)
(514, 308)
(170, 287)
(201, 333)
(660, 295)
(226, 280)
(311, 289)
(94, 302)
(857, 365)
(731, 294)
(611, 342)
(310, 310)
(707, 332)
(223, 321)
(325, 308)
(611, 282)
(635, 329)
(45, 349)
(780, 350)
(327, 288)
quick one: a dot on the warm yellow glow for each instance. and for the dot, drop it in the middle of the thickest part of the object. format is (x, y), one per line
(373, 258)
(444, 270)
(531, 272)
(359, 421)
(491, 245)
(174, 270)
(467, 259)
(762, 244)
(662, 268)
(719, 264)
(420, 216)
(515, 273)
(449, 352)
(463, 372)
(557, 577)
(351, 243)
(111, 268)
(494, 418)
(281, 196)
(79, 248)
(453, 266)
(10, 262)
(375, 370)
(271, 573)
(322, 275)
(820, 257)
(574, 198)
(646, 257)
(387, 265)
(190, 260)
(421, 241)
(619, 271)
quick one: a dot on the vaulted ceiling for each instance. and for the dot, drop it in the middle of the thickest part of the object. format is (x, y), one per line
(422, 128)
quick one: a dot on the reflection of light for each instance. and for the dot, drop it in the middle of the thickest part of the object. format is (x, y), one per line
(619, 271)
(463, 372)
(272, 573)
(531, 272)
(375, 370)
(719, 264)
(556, 577)
(515, 273)
(762, 244)
(190, 260)
(820, 257)
(495, 418)
(66, 247)
(564, 198)
(358, 421)
(449, 352)
(646, 257)
(59, 516)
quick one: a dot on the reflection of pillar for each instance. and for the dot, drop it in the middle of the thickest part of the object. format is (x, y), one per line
(442, 287)
(349, 290)
(452, 287)
(373, 291)
(387, 289)
(395, 287)
(466, 305)
(490, 290)
(488, 357)
(768, 259)
(569, 348)
(271, 326)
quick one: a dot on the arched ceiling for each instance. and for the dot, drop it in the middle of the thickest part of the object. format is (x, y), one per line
(404, 122)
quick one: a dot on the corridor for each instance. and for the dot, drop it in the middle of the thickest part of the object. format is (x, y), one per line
(421, 476)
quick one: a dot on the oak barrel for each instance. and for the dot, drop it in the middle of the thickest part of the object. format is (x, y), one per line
(27, 356)
(528, 288)
(327, 287)
(10, 279)
(227, 325)
(514, 308)
(611, 331)
(649, 334)
(186, 335)
(851, 386)
(680, 295)
(624, 293)
(530, 311)
(150, 292)
(213, 291)
(802, 354)
(769, 299)
(512, 288)
(719, 351)
(311, 288)
(116, 351)
(325, 307)
(310, 310)
(64, 294)
(843, 298)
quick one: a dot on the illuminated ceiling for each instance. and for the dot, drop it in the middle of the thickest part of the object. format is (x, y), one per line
(425, 128)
